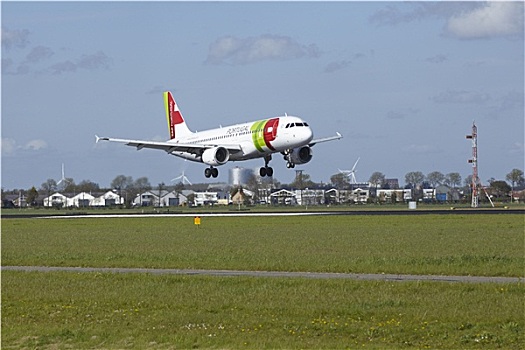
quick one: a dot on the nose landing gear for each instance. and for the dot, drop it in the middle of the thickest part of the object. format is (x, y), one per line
(288, 157)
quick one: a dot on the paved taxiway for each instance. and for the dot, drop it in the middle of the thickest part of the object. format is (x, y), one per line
(233, 273)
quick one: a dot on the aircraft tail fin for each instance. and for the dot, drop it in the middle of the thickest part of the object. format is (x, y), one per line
(176, 124)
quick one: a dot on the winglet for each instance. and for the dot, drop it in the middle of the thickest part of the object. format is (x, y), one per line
(98, 138)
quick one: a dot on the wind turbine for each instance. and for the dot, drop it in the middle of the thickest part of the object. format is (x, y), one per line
(183, 178)
(63, 179)
(351, 173)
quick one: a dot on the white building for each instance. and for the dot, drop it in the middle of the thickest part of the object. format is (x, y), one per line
(108, 199)
(81, 200)
(56, 200)
(167, 199)
(205, 198)
(401, 195)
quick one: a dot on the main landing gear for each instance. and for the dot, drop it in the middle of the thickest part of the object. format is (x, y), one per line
(266, 170)
(211, 172)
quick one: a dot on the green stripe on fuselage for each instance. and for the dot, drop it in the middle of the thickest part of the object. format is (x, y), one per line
(258, 135)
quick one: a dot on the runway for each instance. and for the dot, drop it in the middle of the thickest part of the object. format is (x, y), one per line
(246, 213)
(270, 274)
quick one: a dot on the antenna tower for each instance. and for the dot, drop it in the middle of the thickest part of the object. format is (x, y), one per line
(476, 182)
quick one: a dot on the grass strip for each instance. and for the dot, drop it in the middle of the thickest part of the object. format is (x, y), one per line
(62, 310)
(483, 245)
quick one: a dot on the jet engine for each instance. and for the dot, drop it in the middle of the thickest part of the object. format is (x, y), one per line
(215, 156)
(301, 155)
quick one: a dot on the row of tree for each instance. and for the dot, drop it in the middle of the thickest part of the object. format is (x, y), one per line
(129, 187)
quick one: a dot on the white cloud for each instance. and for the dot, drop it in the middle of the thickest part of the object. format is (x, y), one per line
(14, 38)
(39, 53)
(437, 59)
(461, 97)
(94, 61)
(233, 50)
(36, 145)
(8, 146)
(463, 19)
(495, 19)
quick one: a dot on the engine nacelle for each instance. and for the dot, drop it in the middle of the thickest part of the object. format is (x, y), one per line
(301, 155)
(215, 156)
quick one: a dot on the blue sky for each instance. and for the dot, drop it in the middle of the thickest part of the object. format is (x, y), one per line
(402, 82)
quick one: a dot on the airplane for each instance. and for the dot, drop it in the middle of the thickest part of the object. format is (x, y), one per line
(288, 135)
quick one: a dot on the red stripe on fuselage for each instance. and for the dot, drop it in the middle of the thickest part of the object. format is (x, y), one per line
(270, 132)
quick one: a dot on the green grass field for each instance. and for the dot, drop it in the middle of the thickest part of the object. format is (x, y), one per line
(63, 310)
(484, 245)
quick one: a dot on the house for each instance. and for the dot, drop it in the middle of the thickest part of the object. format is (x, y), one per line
(242, 196)
(146, 199)
(108, 199)
(401, 195)
(445, 193)
(56, 200)
(283, 197)
(310, 196)
(332, 196)
(357, 195)
(81, 200)
(205, 198)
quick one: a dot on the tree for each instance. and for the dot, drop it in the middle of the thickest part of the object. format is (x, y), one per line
(515, 177)
(31, 196)
(453, 179)
(68, 185)
(253, 185)
(499, 188)
(339, 181)
(414, 178)
(435, 178)
(142, 183)
(49, 186)
(160, 188)
(302, 181)
(468, 181)
(87, 186)
(377, 179)
(140, 186)
(122, 182)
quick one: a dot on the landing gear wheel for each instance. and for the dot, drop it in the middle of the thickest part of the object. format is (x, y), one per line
(214, 172)
(207, 172)
(290, 165)
(266, 171)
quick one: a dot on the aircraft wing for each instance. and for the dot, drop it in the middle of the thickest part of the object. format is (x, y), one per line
(195, 148)
(324, 139)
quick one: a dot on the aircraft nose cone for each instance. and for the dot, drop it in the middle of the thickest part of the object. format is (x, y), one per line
(309, 135)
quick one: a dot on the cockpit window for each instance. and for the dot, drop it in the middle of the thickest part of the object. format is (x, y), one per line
(291, 125)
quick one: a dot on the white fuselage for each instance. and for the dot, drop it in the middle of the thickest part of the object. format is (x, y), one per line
(253, 140)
